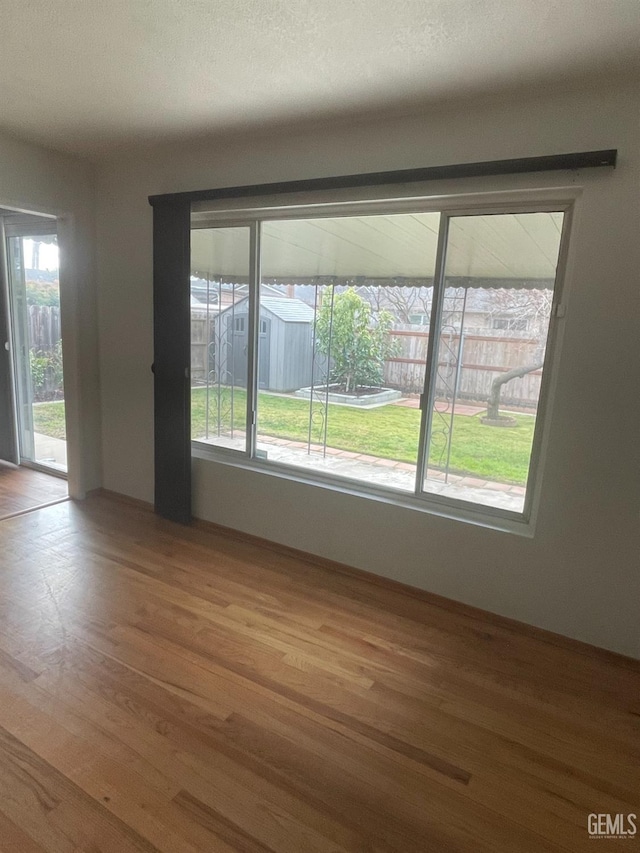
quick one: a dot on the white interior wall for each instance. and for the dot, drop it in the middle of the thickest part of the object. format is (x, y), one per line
(37, 180)
(579, 574)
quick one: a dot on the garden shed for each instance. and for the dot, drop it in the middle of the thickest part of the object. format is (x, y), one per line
(285, 349)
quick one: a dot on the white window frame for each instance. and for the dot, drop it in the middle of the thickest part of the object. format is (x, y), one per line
(557, 200)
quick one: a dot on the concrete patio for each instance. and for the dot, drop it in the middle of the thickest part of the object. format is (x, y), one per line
(379, 472)
(51, 452)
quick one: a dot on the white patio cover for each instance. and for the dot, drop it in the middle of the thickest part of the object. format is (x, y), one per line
(520, 249)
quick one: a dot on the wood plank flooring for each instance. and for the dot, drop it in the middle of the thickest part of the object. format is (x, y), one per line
(23, 488)
(179, 690)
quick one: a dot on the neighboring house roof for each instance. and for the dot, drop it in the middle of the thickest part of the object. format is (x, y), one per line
(482, 300)
(200, 287)
(196, 303)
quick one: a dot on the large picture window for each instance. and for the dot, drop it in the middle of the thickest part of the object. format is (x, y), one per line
(399, 352)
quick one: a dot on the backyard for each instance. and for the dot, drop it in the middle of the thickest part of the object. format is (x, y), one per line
(390, 432)
(48, 419)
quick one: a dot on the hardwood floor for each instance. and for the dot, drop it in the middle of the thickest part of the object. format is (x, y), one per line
(23, 488)
(176, 689)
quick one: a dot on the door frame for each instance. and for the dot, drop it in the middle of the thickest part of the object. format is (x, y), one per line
(6, 333)
(21, 228)
(69, 282)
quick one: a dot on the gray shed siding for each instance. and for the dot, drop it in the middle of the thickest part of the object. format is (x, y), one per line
(288, 361)
(290, 355)
(278, 353)
(296, 363)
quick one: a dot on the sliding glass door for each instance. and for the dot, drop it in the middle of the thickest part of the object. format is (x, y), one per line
(220, 341)
(329, 348)
(490, 337)
(8, 432)
(34, 295)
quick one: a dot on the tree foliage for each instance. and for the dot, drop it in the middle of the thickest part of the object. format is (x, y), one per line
(355, 341)
(46, 373)
(43, 293)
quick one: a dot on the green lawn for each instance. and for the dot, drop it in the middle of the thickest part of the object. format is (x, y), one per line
(391, 432)
(48, 419)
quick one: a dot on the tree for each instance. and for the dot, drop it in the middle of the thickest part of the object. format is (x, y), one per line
(533, 307)
(43, 293)
(493, 403)
(402, 301)
(355, 342)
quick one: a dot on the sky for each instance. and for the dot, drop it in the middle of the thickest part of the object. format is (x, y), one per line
(48, 256)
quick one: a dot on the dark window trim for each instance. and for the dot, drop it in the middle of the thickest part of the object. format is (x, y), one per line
(520, 165)
(171, 279)
(172, 358)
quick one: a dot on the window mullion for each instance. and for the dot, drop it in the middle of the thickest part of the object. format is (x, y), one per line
(427, 397)
(252, 337)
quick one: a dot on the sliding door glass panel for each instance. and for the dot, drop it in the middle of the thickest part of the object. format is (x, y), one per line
(220, 264)
(499, 281)
(344, 314)
(35, 308)
(8, 432)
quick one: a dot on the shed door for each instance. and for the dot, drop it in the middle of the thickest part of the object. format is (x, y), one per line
(264, 352)
(238, 337)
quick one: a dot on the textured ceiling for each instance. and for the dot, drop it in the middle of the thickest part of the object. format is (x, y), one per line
(88, 76)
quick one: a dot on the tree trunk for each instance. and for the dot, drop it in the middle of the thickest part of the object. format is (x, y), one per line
(493, 403)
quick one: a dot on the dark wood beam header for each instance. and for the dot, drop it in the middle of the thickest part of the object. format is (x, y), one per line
(553, 162)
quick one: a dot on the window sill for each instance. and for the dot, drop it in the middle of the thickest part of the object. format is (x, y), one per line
(487, 517)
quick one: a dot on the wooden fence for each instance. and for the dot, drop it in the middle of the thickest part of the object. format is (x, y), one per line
(480, 359)
(44, 336)
(44, 328)
(202, 330)
(483, 357)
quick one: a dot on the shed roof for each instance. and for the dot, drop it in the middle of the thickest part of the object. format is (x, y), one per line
(284, 308)
(288, 310)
